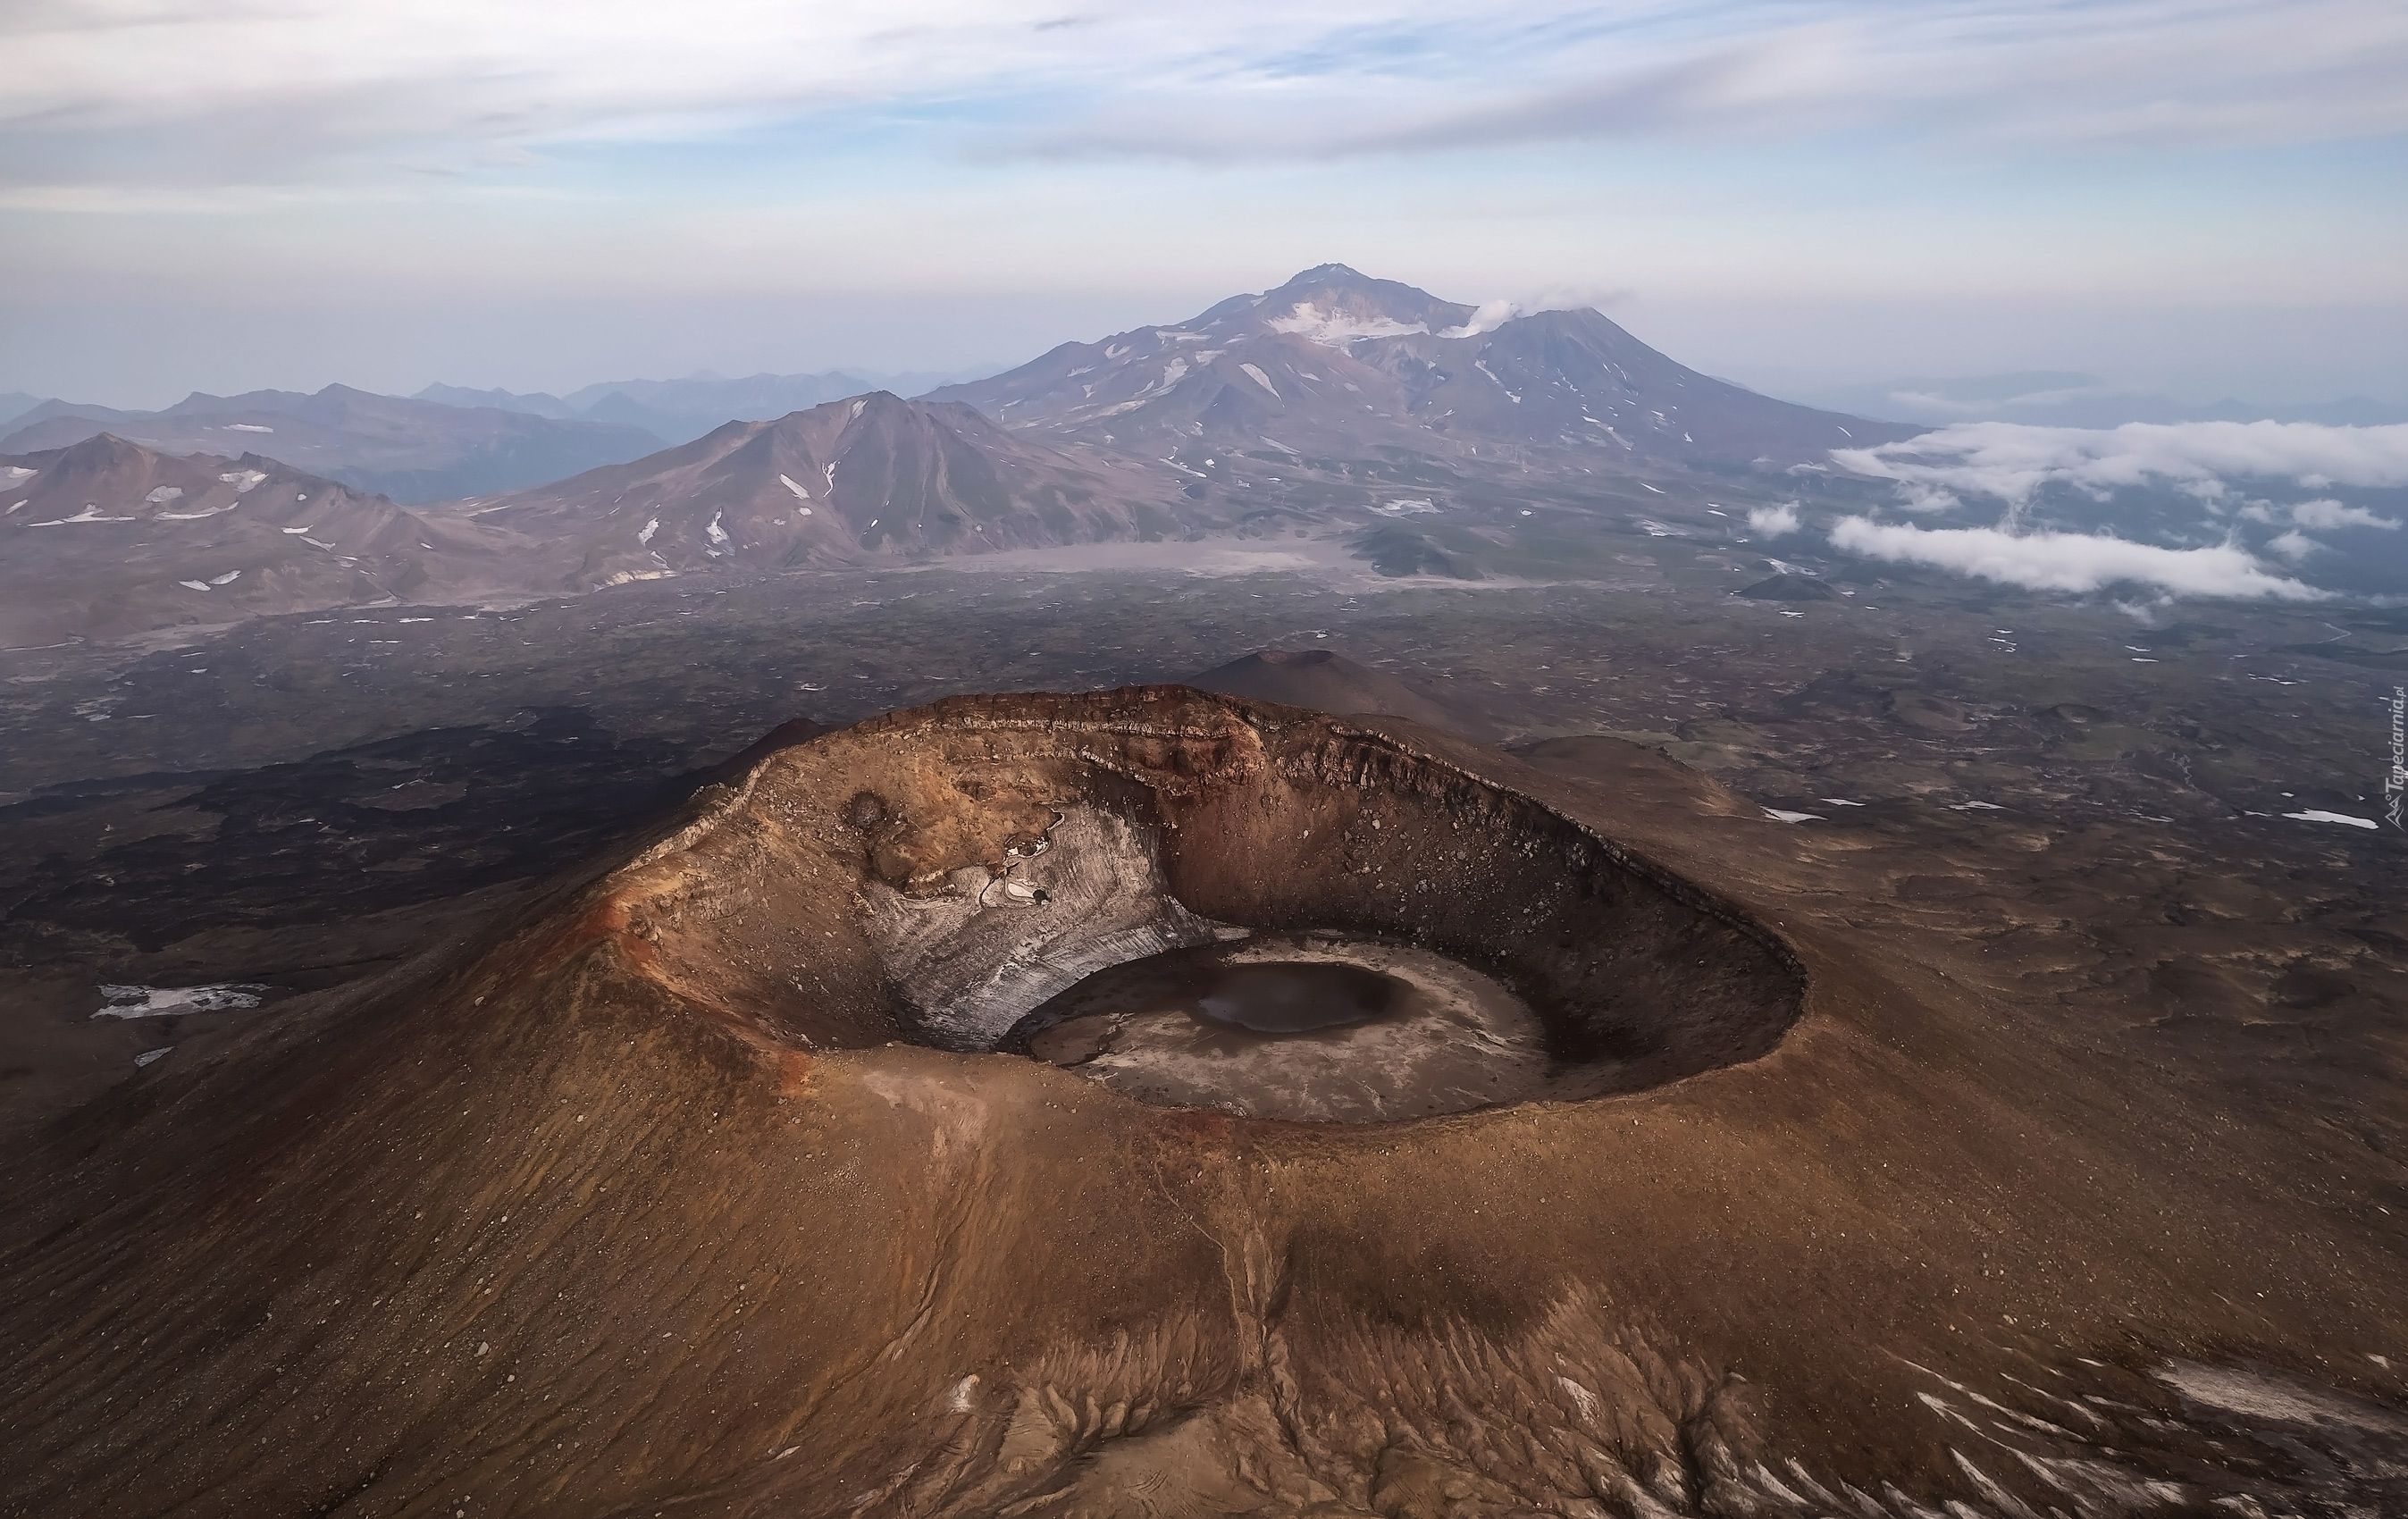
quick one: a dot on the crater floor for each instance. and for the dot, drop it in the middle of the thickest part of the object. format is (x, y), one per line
(1326, 1027)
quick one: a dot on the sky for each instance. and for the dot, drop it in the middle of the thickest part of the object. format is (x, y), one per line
(2199, 196)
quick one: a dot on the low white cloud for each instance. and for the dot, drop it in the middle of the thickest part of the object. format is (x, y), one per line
(2294, 545)
(1773, 522)
(2335, 514)
(1490, 316)
(2073, 562)
(2013, 462)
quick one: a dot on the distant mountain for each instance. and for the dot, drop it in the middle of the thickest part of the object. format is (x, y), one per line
(682, 410)
(870, 479)
(1337, 364)
(15, 404)
(537, 403)
(413, 451)
(2066, 398)
(54, 407)
(105, 537)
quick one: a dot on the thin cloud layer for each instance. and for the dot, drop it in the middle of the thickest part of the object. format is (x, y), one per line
(2327, 513)
(2070, 562)
(97, 89)
(2013, 462)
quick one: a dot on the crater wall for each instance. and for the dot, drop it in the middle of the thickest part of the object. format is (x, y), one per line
(967, 861)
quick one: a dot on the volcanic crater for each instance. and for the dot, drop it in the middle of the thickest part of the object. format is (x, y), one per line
(717, 1180)
(1203, 901)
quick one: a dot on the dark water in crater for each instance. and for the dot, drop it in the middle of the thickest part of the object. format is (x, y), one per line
(1296, 997)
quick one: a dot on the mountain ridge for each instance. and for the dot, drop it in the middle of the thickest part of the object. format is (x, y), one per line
(870, 479)
(105, 537)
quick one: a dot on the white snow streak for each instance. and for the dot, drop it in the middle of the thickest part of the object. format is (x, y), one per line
(159, 1001)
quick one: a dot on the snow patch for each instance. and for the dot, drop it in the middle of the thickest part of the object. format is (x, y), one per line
(160, 496)
(650, 528)
(1261, 378)
(246, 427)
(227, 578)
(714, 532)
(1782, 815)
(243, 481)
(160, 1002)
(2316, 814)
(89, 514)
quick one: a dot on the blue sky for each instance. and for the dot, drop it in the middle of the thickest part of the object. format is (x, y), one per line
(2194, 195)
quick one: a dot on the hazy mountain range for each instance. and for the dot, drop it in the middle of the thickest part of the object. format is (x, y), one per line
(1427, 437)
(413, 451)
(682, 410)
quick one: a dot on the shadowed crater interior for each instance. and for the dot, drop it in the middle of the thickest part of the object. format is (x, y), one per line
(1211, 902)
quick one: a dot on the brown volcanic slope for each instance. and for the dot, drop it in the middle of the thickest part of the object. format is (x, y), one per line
(413, 451)
(1324, 681)
(106, 539)
(1333, 363)
(873, 478)
(656, 1200)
